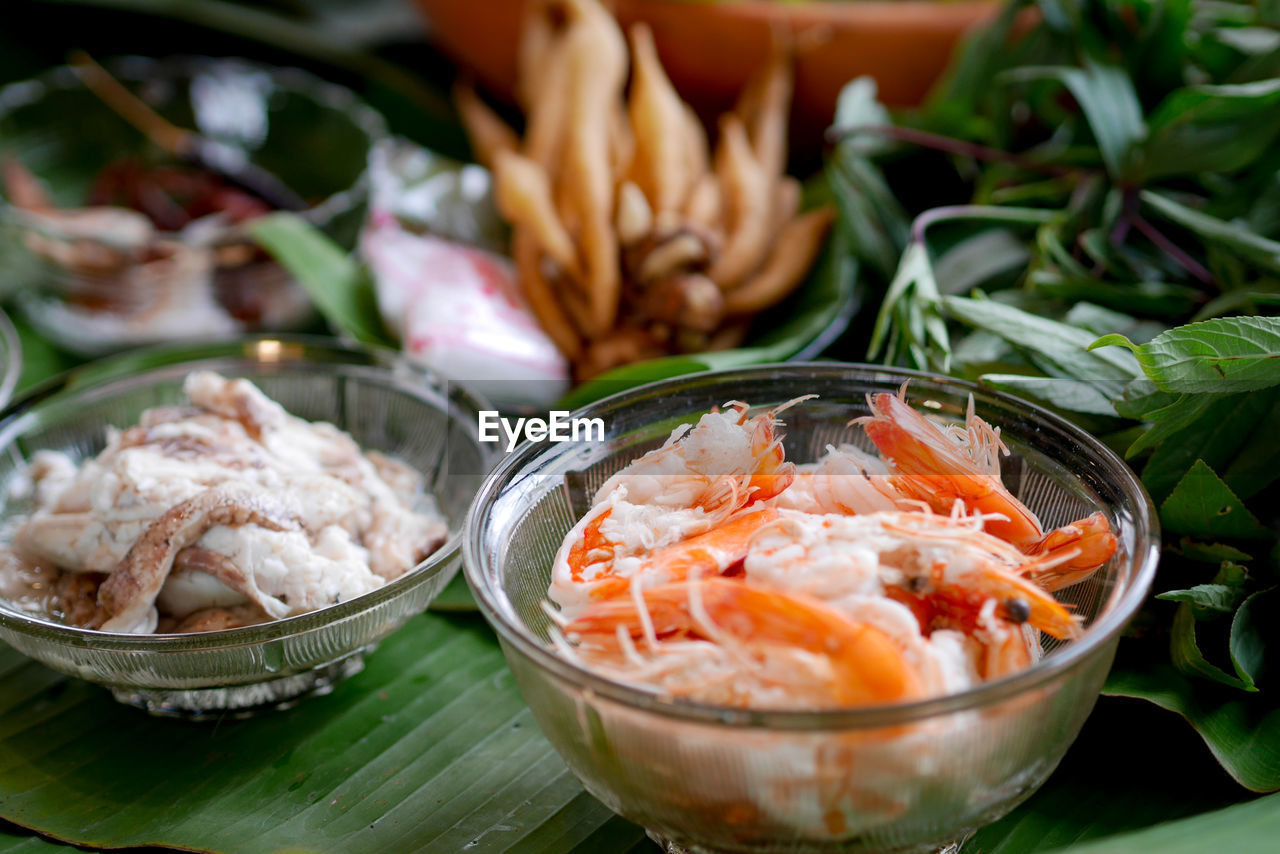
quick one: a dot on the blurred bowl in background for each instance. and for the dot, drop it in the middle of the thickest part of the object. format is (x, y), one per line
(98, 279)
(710, 48)
(10, 359)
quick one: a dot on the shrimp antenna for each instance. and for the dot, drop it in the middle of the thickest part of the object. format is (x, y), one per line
(642, 613)
(553, 613)
(698, 611)
(795, 401)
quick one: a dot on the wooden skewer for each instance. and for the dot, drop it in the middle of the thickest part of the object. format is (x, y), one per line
(185, 144)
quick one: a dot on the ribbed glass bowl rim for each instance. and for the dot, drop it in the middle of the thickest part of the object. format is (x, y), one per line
(11, 353)
(1102, 632)
(324, 93)
(105, 372)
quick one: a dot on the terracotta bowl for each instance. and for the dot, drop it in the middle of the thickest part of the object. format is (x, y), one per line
(710, 48)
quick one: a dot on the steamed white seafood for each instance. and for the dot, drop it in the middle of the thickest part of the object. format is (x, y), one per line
(226, 512)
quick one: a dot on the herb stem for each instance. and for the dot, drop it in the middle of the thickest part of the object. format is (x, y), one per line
(994, 213)
(1125, 220)
(1171, 249)
(960, 147)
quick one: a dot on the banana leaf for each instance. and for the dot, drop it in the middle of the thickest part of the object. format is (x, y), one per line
(429, 748)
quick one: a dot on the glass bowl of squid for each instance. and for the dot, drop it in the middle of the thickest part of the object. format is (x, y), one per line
(384, 403)
(906, 776)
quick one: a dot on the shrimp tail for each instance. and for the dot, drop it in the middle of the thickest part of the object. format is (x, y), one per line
(1074, 552)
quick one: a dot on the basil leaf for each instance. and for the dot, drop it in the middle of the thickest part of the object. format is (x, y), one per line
(1241, 300)
(1220, 598)
(871, 219)
(1110, 104)
(1100, 321)
(910, 310)
(979, 259)
(1201, 505)
(1242, 730)
(1236, 238)
(1071, 395)
(1152, 299)
(1253, 632)
(1211, 553)
(1212, 128)
(1065, 347)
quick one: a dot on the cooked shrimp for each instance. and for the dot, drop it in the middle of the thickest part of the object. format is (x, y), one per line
(709, 553)
(941, 564)
(940, 466)
(1082, 546)
(726, 461)
(845, 480)
(858, 664)
(701, 478)
(859, 581)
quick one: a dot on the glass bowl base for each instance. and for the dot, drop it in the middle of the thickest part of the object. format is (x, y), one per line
(241, 701)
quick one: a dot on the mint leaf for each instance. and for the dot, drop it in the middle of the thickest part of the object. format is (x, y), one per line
(1231, 426)
(1225, 354)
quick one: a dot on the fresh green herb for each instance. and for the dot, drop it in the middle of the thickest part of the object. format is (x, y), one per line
(1102, 234)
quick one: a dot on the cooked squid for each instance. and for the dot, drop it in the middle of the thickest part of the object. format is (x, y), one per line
(222, 513)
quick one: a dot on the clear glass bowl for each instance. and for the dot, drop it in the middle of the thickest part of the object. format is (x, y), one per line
(10, 358)
(910, 777)
(385, 403)
(98, 286)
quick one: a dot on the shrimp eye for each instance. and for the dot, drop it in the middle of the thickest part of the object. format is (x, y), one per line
(917, 584)
(1019, 610)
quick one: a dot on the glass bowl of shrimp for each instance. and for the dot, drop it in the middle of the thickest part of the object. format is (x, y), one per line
(235, 648)
(812, 607)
